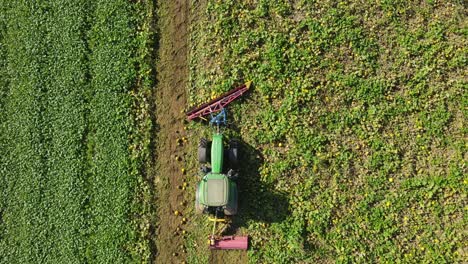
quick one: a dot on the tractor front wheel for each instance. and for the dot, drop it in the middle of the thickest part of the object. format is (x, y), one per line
(203, 150)
(233, 153)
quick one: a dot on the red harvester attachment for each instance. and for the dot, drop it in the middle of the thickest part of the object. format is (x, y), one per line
(219, 103)
(226, 242)
(231, 242)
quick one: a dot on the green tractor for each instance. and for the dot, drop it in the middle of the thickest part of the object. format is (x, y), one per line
(216, 193)
(217, 190)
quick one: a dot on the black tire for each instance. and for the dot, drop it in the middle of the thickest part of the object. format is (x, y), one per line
(199, 208)
(233, 153)
(232, 210)
(233, 174)
(203, 151)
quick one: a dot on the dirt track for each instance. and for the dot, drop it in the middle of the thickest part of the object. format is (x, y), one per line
(172, 70)
(171, 100)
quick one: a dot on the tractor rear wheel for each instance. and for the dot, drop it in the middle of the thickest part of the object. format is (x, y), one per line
(203, 150)
(232, 209)
(199, 208)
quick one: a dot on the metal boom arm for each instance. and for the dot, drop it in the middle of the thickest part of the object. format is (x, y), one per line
(219, 103)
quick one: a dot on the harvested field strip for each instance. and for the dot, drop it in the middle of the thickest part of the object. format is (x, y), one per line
(172, 73)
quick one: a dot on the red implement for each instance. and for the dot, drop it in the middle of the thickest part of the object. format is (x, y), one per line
(231, 242)
(219, 103)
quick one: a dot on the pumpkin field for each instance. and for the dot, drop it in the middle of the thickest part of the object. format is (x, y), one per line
(352, 136)
(355, 127)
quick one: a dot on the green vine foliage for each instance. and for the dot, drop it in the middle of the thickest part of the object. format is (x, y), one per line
(358, 109)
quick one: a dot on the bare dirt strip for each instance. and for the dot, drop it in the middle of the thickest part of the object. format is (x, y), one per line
(172, 67)
(172, 77)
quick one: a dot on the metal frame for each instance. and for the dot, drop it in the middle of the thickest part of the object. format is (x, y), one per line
(219, 103)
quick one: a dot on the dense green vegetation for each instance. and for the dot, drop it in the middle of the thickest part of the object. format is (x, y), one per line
(353, 136)
(357, 115)
(74, 131)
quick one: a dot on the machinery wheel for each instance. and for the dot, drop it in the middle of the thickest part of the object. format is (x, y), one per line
(203, 151)
(230, 211)
(233, 153)
(199, 208)
(233, 209)
(233, 174)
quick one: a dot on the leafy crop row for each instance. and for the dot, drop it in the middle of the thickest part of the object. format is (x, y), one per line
(71, 160)
(25, 229)
(357, 111)
(110, 181)
(64, 111)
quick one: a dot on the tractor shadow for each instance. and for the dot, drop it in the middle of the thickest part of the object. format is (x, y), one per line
(258, 201)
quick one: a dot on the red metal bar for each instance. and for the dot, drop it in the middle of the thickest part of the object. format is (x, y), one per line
(231, 242)
(217, 104)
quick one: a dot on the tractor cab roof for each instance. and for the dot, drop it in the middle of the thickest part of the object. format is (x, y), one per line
(215, 189)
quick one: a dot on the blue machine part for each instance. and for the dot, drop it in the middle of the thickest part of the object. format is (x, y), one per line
(219, 119)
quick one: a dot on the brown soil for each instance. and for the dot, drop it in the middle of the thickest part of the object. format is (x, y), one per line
(228, 257)
(171, 100)
(172, 71)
